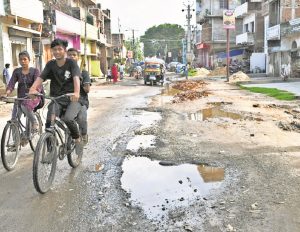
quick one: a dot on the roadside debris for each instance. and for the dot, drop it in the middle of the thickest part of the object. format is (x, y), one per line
(202, 72)
(239, 76)
(189, 85)
(189, 95)
(219, 71)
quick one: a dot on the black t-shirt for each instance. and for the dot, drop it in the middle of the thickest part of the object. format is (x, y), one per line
(61, 77)
(85, 79)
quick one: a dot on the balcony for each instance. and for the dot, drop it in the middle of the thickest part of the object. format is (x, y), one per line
(102, 38)
(67, 24)
(91, 31)
(273, 33)
(31, 10)
(89, 2)
(246, 38)
(247, 8)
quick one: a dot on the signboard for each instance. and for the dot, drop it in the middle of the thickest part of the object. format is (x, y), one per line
(228, 19)
(169, 54)
(130, 54)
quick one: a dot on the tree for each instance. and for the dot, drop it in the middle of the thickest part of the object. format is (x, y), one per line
(136, 48)
(158, 40)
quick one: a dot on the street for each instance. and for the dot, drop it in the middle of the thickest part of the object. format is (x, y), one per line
(228, 161)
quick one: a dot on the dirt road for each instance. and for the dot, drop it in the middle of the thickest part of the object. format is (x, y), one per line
(228, 161)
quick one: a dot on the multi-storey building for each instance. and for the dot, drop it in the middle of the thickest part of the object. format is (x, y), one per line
(212, 47)
(283, 35)
(16, 31)
(252, 34)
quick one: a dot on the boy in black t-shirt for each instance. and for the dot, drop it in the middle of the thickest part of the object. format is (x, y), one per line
(64, 74)
(84, 90)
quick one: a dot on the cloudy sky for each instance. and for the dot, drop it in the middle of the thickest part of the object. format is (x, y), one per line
(142, 14)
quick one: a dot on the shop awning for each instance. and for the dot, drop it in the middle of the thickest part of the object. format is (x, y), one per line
(25, 30)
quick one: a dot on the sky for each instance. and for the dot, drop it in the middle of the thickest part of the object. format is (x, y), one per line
(142, 14)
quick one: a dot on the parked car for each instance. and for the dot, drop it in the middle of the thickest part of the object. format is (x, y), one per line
(172, 66)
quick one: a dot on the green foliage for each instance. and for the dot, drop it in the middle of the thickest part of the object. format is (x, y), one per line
(136, 48)
(272, 92)
(192, 72)
(163, 38)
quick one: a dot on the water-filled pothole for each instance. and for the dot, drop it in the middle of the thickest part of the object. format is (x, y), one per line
(157, 188)
(214, 112)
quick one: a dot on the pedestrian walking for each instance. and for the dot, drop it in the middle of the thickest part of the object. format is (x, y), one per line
(108, 74)
(6, 75)
(114, 73)
(122, 71)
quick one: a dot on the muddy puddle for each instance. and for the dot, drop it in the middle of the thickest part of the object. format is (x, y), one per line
(147, 118)
(158, 188)
(141, 142)
(214, 112)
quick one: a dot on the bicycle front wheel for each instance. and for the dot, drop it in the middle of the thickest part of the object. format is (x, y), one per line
(35, 135)
(44, 162)
(74, 153)
(10, 143)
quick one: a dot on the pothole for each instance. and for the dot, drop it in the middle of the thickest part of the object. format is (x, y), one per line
(141, 142)
(159, 188)
(146, 118)
(214, 112)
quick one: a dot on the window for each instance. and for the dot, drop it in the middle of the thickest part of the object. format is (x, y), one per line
(223, 4)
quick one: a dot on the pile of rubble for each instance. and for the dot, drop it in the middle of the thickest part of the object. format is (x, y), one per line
(239, 76)
(189, 95)
(189, 91)
(202, 72)
(219, 71)
(189, 85)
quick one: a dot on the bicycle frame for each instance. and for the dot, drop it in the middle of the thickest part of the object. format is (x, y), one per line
(55, 127)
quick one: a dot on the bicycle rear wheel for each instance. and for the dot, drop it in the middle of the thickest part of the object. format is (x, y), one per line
(10, 143)
(44, 162)
(36, 135)
(74, 155)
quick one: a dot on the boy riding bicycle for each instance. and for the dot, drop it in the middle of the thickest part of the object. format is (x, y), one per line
(84, 90)
(64, 74)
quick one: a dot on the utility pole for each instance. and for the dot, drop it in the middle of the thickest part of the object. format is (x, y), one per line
(133, 42)
(189, 54)
(227, 48)
(85, 39)
(120, 41)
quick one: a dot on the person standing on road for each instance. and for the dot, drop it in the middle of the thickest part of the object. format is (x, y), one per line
(121, 71)
(84, 90)
(64, 74)
(25, 77)
(6, 74)
(114, 73)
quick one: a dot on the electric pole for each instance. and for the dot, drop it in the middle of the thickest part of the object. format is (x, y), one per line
(189, 54)
(120, 41)
(133, 42)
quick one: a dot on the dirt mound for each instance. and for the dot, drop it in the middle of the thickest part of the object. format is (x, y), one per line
(239, 76)
(189, 96)
(188, 85)
(202, 72)
(219, 71)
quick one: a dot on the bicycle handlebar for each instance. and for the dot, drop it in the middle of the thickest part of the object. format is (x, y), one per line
(13, 99)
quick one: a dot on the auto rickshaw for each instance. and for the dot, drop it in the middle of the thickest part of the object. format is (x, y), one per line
(154, 71)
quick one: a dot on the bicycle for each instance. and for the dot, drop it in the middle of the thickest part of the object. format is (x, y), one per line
(16, 135)
(55, 142)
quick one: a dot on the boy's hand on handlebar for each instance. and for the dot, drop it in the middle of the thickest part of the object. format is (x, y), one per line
(32, 93)
(75, 97)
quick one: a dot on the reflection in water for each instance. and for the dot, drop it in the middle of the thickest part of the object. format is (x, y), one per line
(158, 189)
(214, 112)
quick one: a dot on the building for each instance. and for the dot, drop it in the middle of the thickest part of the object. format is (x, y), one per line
(119, 50)
(17, 33)
(211, 50)
(252, 35)
(283, 35)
